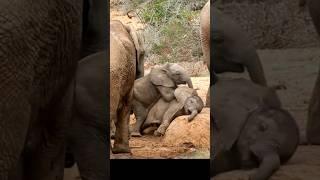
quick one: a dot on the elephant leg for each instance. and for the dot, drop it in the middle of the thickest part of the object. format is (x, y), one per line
(269, 161)
(121, 143)
(173, 111)
(162, 128)
(89, 145)
(17, 173)
(141, 114)
(112, 129)
(15, 110)
(313, 123)
(45, 160)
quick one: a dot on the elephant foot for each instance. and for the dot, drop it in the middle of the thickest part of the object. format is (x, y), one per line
(149, 130)
(119, 148)
(157, 133)
(136, 134)
(161, 130)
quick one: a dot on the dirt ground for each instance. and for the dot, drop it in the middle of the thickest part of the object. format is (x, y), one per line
(297, 70)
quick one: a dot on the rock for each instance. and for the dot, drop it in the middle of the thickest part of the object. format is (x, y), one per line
(196, 132)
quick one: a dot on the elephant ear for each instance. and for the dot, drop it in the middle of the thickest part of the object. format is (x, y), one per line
(138, 40)
(159, 77)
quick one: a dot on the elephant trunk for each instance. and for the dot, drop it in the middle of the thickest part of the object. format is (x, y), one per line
(192, 115)
(189, 82)
(255, 69)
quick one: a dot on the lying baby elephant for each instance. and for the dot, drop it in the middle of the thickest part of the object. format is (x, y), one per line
(250, 129)
(187, 102)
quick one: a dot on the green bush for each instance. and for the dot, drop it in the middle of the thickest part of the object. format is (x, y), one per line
(176, 27)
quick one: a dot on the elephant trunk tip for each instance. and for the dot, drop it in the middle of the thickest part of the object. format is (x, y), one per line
(189, 82)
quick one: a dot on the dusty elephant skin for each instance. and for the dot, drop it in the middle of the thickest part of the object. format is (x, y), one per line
(94, 36)
(187, 102)
(87, 137)
(313, 122)
(251, 129)
(39, 52)
(231, 48)
(124, 65)
(159, 83)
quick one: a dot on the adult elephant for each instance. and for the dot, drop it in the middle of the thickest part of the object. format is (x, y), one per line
(40, 46)
(126, 63)
(94, 39)
(229, 46)
(313, 123)
(39, 52)
(161, 82)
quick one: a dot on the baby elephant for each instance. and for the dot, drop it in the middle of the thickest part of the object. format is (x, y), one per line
(250, 129)
(161, 82)
(187, 102)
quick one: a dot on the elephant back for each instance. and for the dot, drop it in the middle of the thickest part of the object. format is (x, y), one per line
(122, 64)
(123, 37)
(182, 93)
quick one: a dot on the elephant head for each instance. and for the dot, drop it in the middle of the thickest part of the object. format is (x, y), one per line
(233, 100)
(189, 100)
(170, 75)
(232, 50)
(138, 40)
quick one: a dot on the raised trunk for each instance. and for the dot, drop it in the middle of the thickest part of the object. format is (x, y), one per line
(255, 70)
(193, 114)
(189, 82)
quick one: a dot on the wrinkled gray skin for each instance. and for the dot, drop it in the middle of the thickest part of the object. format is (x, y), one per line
(250, 129)
(187, 102)
(94, 39)
(313, 122)
(87, 137)
(123, 64)
(39, 52)
(124, 39)
(231, 49)
(161, 82)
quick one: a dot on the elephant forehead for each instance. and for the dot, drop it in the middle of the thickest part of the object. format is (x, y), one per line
(176, 68)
